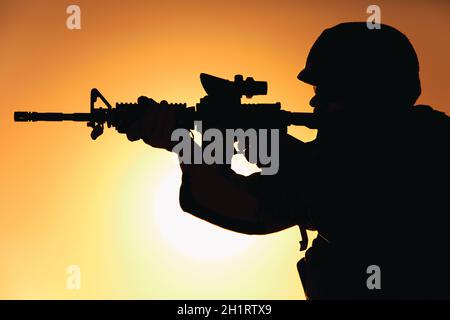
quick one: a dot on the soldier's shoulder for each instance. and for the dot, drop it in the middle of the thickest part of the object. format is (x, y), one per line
(432, 120)
(429, 113)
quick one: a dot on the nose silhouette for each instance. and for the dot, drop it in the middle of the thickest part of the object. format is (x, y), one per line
(314, 102)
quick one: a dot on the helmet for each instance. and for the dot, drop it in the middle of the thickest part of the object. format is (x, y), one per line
(379, 62)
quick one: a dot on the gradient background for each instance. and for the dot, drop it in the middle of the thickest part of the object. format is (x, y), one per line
(111, 206)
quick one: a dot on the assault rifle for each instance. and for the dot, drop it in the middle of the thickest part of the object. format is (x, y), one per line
(220, 108)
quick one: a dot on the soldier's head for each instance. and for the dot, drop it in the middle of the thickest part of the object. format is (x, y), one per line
(354, 68)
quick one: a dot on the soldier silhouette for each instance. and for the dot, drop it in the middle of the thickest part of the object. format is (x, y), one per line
(373, 184)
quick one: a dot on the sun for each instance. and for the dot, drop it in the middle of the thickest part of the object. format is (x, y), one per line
(187, 234)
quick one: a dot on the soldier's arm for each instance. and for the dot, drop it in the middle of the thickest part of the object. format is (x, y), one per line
(254, 205)
(257, 204)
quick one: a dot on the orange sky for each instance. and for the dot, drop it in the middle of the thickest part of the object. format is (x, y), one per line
(110, 206)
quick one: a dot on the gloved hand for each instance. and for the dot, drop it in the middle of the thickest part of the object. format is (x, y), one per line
(154, 125)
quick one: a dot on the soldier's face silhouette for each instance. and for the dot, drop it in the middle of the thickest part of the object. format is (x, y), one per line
(326, 101)
(335, 107)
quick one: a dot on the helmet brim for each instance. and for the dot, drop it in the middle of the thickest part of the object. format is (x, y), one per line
(307, 77)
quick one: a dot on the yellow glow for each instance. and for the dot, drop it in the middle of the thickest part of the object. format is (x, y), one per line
(110, 206)
(189, 235)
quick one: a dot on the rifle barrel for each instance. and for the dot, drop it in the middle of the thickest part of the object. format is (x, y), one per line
(287, 118)
(306, 119)
(51, 116)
